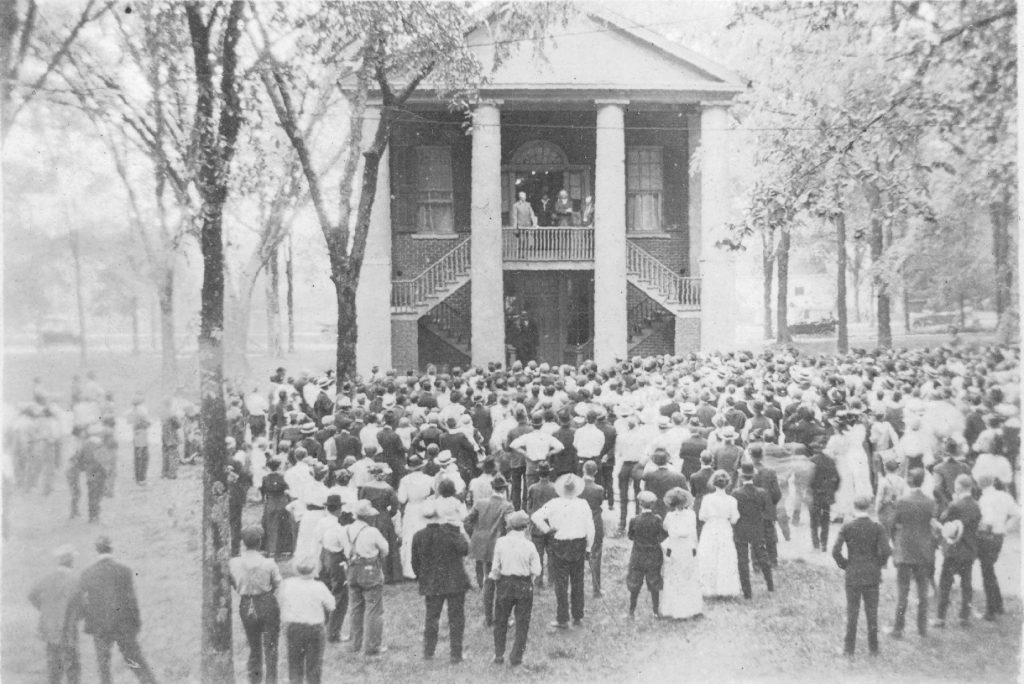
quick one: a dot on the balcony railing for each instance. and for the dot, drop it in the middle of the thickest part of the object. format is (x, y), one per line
(408, 296)
(548, 244)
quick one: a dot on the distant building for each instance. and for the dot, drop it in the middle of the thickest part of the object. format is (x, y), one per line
(447, 275)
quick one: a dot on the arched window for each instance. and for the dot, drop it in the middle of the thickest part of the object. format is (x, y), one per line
(539, 153)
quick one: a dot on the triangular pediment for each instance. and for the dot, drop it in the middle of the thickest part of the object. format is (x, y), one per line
(601, 51)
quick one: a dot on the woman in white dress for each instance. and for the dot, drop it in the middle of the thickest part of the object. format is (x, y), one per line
(681, 596)
(716, 552)
(846, 448)
(413, 490)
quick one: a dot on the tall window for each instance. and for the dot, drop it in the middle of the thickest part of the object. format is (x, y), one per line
(644, 180)
(434, 196)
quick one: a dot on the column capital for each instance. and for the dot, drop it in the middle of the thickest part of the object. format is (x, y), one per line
(621, 102)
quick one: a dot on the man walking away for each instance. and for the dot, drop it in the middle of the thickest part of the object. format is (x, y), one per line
(305, 604)
(108, 603)
(52, 596)
(748, 532)
(366, 550)
(914, 551)
(515, 566)
(867, 552)
(256, 578)
(593, 494)
(824, 485)
(437, 553)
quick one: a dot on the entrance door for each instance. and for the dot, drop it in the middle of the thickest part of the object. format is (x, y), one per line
(559, 303)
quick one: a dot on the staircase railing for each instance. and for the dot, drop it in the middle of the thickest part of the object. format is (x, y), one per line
(643, 314)
(452, 320)
(675, 289)
(408, 296)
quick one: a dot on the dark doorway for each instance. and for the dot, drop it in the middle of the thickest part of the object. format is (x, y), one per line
(535, 184)
(559, 314)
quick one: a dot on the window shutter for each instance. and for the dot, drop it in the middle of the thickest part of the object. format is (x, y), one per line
(403, 188)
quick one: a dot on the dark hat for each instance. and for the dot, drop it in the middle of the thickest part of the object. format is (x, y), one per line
(747, 471)
(333, 501)
(415, 462)
(499, 484)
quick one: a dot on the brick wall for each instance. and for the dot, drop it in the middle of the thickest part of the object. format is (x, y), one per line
(404, 344)
(411, 256)
(671, 251)
(660, 341)
(687, 335)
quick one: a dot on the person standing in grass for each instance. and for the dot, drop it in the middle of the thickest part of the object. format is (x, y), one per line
(305, 605)
(138, 418)
(256, 579)
(867, 552)
(960, 531)
(52, 596)
(485, 524)
(437, 553)
(646, 531)
(366, 550)
(515, 565)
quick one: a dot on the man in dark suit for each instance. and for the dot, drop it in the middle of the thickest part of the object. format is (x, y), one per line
(700, 486)
(946, 473)
(437, 553)
(767, 479)
(691, 449)
(462, 450)
(914, 553)
(748, 532)
(662, 479)
(823, 485)
(107, 601)
(392, 451)
(566, 461)
(867, 552)
(962, 550)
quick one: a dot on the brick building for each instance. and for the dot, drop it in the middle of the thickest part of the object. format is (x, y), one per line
(445, 264)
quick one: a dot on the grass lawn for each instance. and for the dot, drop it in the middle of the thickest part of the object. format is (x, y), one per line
(795, 634)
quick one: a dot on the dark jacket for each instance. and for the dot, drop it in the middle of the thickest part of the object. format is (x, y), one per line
(484, 524)
(825, 479)
(689, 454)
(867, 548)
(593, 494)
(462, 449)
(753, 503)
(646, 531)
(437, 553)
(700, 486)
(106, 596)
(967, 512)
(912, 521)
(347, 444)
(565, 461)
(658, 482)
(945, 475)
(767, 479)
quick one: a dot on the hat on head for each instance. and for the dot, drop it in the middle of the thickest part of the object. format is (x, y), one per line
(364, 509)
(333, 501)
(688, 408)
(728, 432)
(308, 428)
(518, 520)
(499, 483)
(747, 471)
(646, 498)
(569, 486)
(444, 458)
(414, 462)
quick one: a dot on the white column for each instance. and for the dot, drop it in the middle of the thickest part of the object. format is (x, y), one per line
(487, 302)
(693, 196)
(610, 329)
(373, 298)
(717, 266)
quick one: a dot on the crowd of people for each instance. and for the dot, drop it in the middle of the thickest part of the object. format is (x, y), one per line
(707, 457)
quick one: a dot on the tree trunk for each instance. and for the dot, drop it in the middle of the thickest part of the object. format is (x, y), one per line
(767, 272)
(273, 292)
(1001, 251)
(843, 334)
(881, 290)
(782, 302)
(168, 351)
(345, 284)
(236, 329)
(76, 255)
(906, 307)
(289, 276)
(216, 536)
(136, 349)
(856, 271)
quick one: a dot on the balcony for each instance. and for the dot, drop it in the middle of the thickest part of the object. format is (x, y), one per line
(546, 248)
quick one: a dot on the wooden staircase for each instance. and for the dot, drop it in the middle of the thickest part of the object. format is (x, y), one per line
(677, 294)
(443, 278)
(450, 321)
